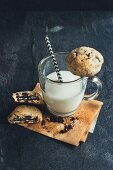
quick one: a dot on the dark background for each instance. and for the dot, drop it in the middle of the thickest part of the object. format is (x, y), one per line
(22, 46)
(56, 5)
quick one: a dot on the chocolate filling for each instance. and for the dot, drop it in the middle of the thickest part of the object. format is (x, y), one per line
(25, 119)
(25, 96)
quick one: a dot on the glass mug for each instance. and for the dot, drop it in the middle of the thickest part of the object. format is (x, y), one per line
(63, 98)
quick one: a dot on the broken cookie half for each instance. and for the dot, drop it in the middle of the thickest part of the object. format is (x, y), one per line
(25, 114)
(32, 97)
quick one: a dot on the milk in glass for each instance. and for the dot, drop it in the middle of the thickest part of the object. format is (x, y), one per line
(63, 97)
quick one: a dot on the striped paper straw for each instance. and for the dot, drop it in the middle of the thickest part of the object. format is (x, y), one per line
(53, 59)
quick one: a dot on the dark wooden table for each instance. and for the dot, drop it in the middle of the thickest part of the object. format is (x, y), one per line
(22, 46)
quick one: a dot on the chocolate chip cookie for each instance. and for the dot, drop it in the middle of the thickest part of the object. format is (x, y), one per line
(25, 114)
(84, 61)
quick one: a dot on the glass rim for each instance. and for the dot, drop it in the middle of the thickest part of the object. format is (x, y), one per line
(52, 81)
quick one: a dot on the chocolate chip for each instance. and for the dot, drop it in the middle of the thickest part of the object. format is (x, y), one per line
(66, 128)
(72, 118)
(76, 53)
(88, 55)
(97, 58)
(43, 122)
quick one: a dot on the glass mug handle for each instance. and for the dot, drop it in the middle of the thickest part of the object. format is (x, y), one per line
(94, 95)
